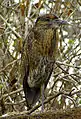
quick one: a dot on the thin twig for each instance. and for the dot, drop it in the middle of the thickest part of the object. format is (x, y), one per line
(11, 93)
(8, 65)
(61, 63)
(17, 35)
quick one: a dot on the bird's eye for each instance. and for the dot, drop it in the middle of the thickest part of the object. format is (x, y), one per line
(55, 17)
(47, 19)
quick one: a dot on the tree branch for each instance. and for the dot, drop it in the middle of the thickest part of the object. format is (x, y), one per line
(17, 35)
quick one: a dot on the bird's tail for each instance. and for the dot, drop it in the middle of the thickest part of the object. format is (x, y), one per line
(31, 94)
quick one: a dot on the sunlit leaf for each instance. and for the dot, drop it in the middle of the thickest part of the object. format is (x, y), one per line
(71, 41)
(1, 86)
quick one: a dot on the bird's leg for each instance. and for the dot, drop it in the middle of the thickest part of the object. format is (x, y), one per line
(42, 96)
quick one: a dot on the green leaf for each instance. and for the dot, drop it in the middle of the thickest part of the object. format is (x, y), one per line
(1, 86)
(71, 41)
(80, 102)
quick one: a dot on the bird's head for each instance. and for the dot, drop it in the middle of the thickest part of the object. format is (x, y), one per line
(50, 21)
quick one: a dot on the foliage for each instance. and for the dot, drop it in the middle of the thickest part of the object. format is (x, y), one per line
(16, 18)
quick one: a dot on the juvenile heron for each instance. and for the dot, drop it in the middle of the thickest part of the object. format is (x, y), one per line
(42, 45)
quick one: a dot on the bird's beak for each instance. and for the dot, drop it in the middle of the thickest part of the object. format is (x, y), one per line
(61, 22)
(58, 22)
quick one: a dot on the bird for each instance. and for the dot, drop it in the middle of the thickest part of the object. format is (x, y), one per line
(41, 51)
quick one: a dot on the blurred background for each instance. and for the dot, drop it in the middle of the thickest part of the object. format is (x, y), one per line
(64, 87)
